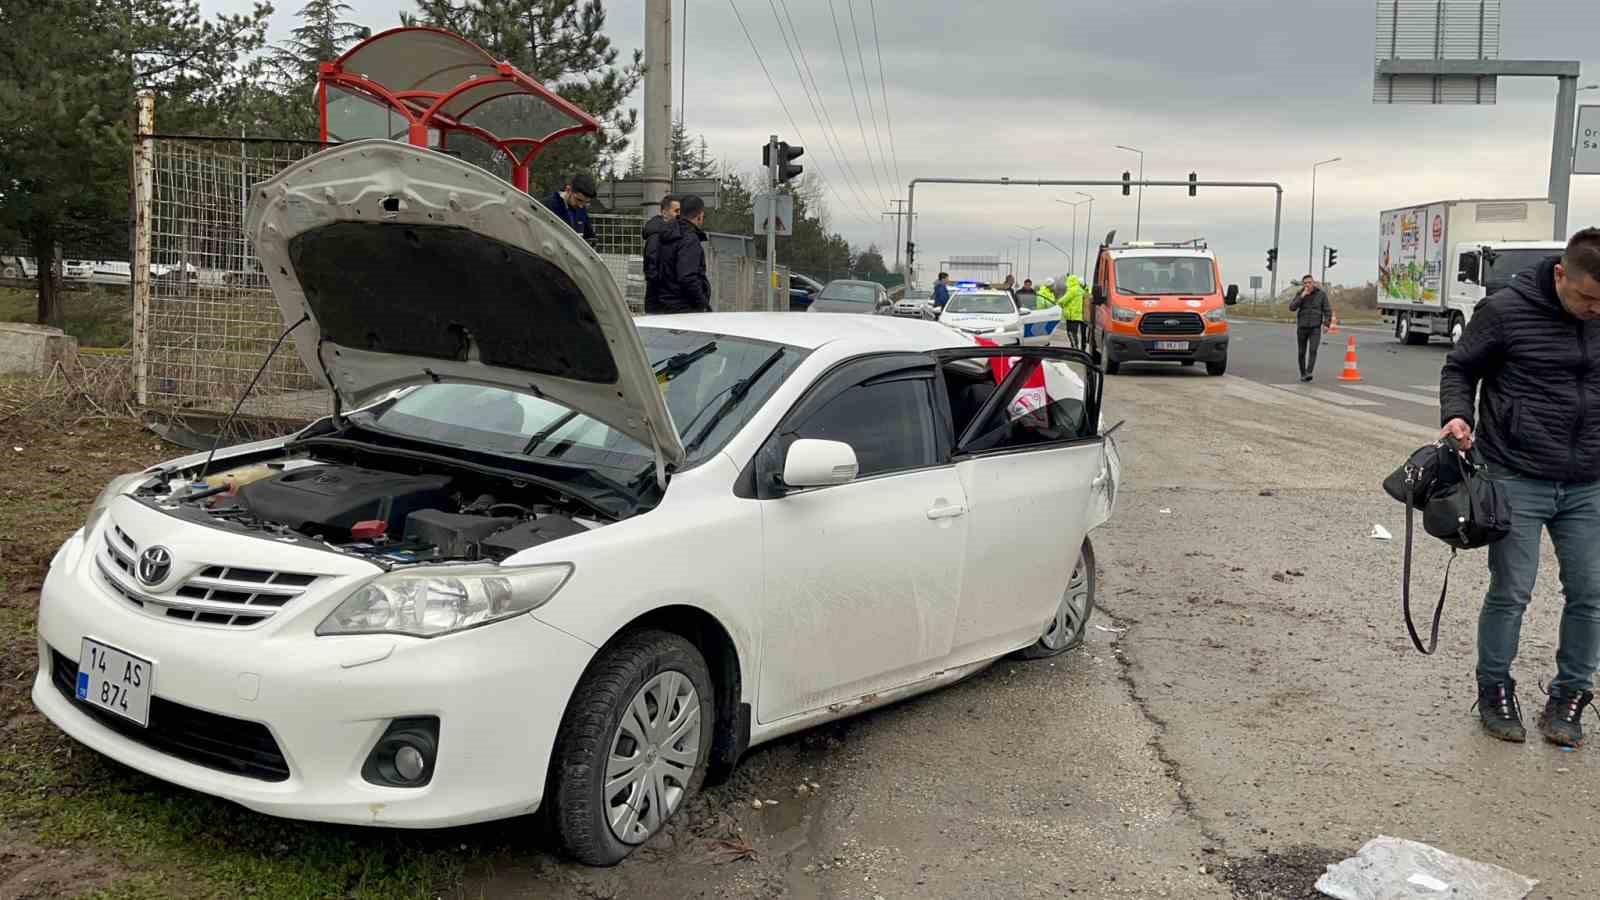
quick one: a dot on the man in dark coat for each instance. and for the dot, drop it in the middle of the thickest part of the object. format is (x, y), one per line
(1530, 358)
(1313, 313)
(653, 230)
(684, 286)
(571, 203)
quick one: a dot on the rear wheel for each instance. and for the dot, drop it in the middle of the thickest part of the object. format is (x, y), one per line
(632, 747)
(1406, 331)
(1220, 367)
(1458, 327)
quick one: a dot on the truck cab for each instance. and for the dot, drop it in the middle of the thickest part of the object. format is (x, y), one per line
(1160, 302)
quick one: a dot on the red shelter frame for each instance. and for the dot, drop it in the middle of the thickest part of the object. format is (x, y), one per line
(441, 82)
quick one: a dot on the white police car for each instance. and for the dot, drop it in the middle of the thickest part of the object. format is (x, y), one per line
(994, 314)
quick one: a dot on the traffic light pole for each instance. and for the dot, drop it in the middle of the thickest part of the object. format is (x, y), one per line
(911, 204)
(773, 162)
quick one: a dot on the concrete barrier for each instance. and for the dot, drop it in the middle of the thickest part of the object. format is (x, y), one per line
(34, 349)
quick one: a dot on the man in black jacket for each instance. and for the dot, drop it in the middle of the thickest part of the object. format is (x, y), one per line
(684, 286)
(1531, 355)
(652, 252)
(1313, 313)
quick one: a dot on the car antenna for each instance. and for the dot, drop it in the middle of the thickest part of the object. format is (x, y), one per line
(240, 405)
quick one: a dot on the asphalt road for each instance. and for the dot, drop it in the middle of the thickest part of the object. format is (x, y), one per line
(1397, 381)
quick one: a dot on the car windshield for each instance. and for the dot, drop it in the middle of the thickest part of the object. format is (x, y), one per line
(699, 375)
(850, 293)
(980, 303)
(1165, 275)
(1508, 264)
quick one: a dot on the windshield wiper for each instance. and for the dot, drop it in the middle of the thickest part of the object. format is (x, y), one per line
(735, 394)
(544, 433)
(674, 365)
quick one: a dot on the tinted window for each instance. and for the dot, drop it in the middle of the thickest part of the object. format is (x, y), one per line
(1505, 265)
(888, 423)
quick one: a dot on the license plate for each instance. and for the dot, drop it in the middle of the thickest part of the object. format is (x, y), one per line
(115, 681)
(1172, 345)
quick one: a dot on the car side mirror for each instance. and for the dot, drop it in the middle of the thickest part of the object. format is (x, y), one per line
(1099, 294)
(1232, 297)
(817, 463)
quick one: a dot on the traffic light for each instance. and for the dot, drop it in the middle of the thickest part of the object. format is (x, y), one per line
(1192, 179)
(1272, 260)
(1127, 183)
(1333, 257)
(786, 169)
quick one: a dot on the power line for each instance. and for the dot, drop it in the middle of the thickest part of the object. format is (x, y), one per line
(851, 83)
(883, 160)
(883, 91)
(848, 167)
(835, 146)
(770, 83)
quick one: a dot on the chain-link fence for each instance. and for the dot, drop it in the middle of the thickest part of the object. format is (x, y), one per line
(204, 315)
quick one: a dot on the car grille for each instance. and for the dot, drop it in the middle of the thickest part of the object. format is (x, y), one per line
(193, 735)
(1172, 323)
(216, 595)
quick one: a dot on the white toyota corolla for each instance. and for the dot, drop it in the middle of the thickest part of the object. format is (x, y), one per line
(544, 557)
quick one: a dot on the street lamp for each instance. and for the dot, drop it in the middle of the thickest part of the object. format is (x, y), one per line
(1072, 257)
(1055, 245)
(1088, 230)
(1031, 232)
(1311, 252)
(1138, 215)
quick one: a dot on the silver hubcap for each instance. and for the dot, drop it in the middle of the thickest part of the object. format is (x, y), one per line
(1405, 327)
(1073, 610)
(653, 756)
(1455, 333)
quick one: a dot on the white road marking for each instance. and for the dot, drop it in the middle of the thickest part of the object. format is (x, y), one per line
(1430, 388)
(1333, 397)
(1419, 399)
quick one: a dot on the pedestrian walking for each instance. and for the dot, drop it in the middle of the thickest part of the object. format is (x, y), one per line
(1530, 357)
(652, 252)
(682, 267)
(1313, 313)
(941, 291)
(571, 203)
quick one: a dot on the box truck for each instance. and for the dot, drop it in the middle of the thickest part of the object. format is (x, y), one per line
(1437, 260)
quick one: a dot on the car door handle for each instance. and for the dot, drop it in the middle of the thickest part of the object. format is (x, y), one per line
(947, 512)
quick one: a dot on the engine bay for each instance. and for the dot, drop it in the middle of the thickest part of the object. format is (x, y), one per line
(390, 515)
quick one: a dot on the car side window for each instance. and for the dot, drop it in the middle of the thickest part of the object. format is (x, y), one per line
(888, 422)
(1040, 406)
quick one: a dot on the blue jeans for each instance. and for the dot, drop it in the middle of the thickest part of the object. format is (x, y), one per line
(1571, 511)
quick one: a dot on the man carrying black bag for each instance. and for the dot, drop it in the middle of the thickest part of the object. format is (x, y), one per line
(1532, 353)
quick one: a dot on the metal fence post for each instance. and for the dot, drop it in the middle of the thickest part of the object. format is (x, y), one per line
(143, 188)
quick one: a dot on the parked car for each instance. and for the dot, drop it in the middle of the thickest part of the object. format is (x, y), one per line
(76, 269)
(802, 291)
(17, 267)
(916, 304)
(544, 557)
(846, 296)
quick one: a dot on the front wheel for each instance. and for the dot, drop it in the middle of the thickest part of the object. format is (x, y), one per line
(632, 747)
(1220, 367)
(1066, 628)
(1458, 327)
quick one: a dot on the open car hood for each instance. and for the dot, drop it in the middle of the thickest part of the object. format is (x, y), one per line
(414, 266)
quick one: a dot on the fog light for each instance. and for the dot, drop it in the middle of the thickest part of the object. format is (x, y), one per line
(406, 754)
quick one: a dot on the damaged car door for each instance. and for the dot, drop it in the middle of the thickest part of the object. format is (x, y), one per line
(863, 575)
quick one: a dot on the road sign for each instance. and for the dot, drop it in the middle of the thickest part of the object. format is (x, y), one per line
(1255, 282)
(1435, 31)
(763, 213)
(627, 194)
(1587, 159)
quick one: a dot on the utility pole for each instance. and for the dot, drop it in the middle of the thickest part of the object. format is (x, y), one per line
(898, 215)
(774, 160)
(657, 175)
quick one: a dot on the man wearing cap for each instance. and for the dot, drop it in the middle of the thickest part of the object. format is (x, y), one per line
(571, 203)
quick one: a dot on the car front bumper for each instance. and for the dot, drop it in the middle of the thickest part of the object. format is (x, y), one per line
(499, 692)
(1142, 348)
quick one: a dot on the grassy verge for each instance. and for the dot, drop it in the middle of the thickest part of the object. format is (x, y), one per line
(97, 317)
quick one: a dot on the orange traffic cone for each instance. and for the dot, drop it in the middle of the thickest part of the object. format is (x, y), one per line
(1333, 325)
(1351, 372)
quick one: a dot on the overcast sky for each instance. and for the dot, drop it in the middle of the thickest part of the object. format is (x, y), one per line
(1254, 90)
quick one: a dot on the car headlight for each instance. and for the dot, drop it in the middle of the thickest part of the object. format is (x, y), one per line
(1220, 314)
(118, 486)
(430, 601)
(1123, 314)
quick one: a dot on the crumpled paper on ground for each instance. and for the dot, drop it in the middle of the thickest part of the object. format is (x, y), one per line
(1389, 868)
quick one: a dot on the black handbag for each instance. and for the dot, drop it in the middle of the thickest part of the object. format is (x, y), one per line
(1460, 505)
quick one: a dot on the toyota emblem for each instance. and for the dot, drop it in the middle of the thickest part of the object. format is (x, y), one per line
(154, 565)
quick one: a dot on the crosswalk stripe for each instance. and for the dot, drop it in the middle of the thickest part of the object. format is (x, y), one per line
(1327, 396)
(1420, 399)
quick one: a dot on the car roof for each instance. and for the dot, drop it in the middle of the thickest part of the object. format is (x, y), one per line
(809, 332)
(1190, 252)
(853, 281)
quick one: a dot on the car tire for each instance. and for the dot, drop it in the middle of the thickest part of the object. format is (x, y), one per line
(1458, 329)
(1406, 333)
(601, 828)
(1066, 629)
(1220, 367)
